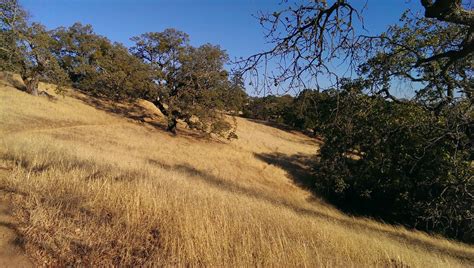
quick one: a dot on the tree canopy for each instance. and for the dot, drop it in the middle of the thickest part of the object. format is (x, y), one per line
(26, 48)
(98, 66)
(191, 82)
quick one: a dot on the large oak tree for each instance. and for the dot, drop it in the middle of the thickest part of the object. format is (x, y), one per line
(191, 82)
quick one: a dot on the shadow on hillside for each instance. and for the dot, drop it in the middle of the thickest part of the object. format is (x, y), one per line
(128, 109)
(12, 80)
(271, 124)
(136, 112)
(348, 222)
(298, 168)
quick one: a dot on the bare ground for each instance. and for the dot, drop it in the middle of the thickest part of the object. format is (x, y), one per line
(11, 249)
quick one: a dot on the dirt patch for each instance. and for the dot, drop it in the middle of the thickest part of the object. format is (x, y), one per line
(11, 243)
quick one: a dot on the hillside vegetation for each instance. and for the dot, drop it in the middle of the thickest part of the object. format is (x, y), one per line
(104, 184)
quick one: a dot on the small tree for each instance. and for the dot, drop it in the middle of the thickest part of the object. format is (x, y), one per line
(235, 97)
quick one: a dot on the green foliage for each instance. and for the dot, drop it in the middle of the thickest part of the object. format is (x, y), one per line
(26, 48)
(191, 83)
(13, 19)
(36, 60)
(235, 98)
(97, 66)
(269, 108)
(398, 161)
(306, 112)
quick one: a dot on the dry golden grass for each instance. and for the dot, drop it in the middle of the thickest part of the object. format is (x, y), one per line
(91, 187)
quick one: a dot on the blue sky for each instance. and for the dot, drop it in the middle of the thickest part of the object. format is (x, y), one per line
(228, 23)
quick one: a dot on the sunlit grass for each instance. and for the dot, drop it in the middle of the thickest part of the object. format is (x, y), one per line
(95, 188)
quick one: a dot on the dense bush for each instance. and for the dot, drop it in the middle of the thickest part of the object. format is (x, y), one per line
(270, 108)
(398, 161)
(303, 112)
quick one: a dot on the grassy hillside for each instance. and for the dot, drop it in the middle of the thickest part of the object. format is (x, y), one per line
(98, 183)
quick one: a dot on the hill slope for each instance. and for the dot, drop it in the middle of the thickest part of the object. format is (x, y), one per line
(92, 185)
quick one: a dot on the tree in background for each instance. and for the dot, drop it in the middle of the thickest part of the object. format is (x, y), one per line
(235, 97)
(13, 19)
(27, 48)
(305, 113)
(98, 66)
(184, 82)
(270, 108)
(191, 83)
(36, 60)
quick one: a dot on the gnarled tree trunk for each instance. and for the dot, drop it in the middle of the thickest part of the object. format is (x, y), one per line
(172, 119)
(172, 124)
(31, 84)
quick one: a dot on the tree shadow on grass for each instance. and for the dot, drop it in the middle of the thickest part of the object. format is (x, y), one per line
(297, 166)
(129, 109)
(12, 80)
(271, 124)
(136, 112)
(18, 241)
(299, 170)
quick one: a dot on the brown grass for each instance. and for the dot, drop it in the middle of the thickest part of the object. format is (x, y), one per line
(92, 187)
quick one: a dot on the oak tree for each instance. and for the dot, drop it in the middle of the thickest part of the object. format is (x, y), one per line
(190, 81)
(28, 46)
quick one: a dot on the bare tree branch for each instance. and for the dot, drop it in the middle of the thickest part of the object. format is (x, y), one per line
(308, 39)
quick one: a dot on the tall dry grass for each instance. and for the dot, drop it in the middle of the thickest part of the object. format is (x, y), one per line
(95, 188)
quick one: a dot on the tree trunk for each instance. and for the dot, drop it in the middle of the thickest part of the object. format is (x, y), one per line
(31, 84)
(161, 107)
(172, 123)
(32, 87)
(172, 118)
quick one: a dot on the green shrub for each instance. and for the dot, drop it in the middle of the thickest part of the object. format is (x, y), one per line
(399, 162)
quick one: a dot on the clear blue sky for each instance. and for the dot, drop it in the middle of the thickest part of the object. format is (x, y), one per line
(228, 23)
